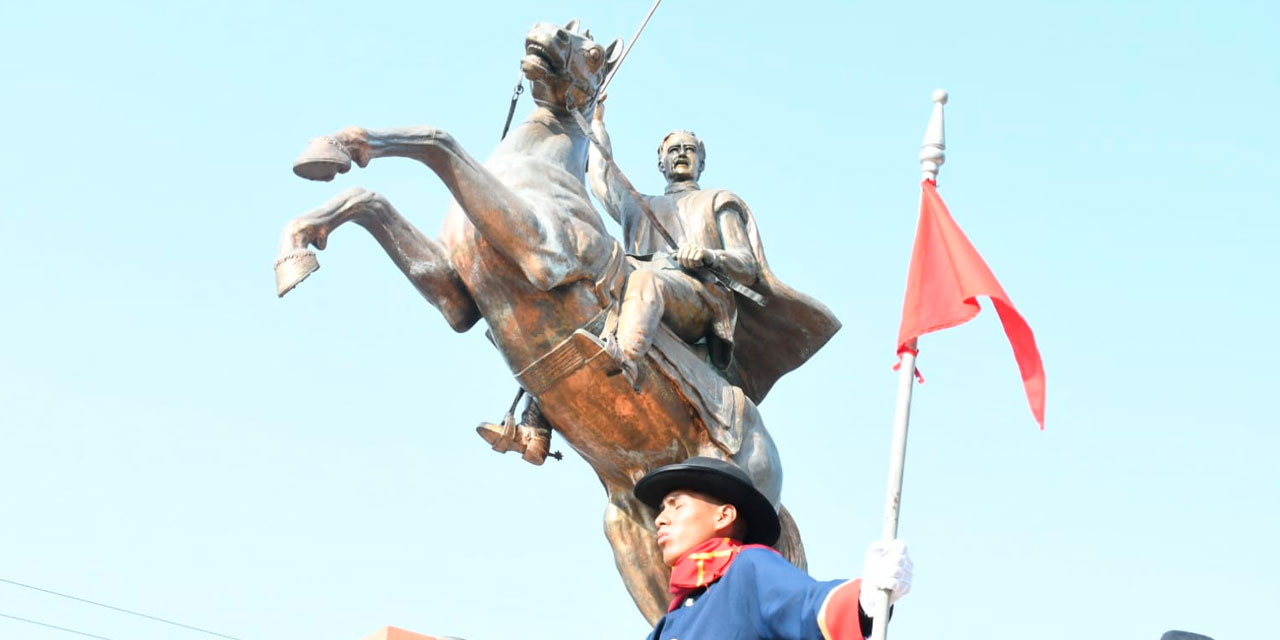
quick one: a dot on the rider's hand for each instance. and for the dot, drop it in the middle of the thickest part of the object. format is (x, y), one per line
(599, 117)
(693, 257)
(886, 566)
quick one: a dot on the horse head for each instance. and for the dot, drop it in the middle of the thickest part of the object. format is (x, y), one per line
(565, 66)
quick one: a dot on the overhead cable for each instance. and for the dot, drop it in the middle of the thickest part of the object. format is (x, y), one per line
(53, 626)
(107, 606)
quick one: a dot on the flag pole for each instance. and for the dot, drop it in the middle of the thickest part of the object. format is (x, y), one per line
(931, 158)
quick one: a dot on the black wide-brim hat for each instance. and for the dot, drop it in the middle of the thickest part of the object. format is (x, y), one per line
(718, 479)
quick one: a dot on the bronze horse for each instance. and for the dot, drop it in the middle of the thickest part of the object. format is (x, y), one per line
(522, 247)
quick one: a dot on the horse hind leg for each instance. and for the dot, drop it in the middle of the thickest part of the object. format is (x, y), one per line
(758, 456)
(423, 260)
(630, 531)
(789, 544)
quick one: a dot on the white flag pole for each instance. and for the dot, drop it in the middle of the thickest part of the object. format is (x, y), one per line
(931, 157)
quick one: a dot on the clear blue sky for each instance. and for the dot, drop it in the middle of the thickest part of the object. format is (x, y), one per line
(177, 441)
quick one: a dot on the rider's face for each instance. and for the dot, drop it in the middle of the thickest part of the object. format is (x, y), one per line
(680, 158)
(687, 520)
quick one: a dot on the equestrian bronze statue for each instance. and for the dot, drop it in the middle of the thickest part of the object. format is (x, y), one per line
(522, 247)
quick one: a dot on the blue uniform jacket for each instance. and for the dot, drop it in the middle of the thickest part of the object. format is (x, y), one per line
(763, 597)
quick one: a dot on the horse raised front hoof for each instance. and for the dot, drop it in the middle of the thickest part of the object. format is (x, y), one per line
(294, 267)
(323, 159)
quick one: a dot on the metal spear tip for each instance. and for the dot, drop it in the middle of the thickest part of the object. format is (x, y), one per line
(940, 96)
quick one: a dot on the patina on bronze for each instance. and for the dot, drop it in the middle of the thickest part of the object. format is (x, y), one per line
(522, 247)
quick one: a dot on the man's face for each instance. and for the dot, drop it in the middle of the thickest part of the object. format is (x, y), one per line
(688, 519)
(680, 158)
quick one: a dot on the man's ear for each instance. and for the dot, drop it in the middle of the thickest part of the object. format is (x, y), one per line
(726, 518)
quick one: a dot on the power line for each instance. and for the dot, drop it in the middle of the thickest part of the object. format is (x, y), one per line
(52, 626)
(107, 606)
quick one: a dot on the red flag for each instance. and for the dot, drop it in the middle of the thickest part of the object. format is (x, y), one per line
(946, 277)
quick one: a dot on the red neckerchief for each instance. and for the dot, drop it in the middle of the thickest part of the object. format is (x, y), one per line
(703, 565)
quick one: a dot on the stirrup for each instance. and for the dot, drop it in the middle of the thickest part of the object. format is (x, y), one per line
(532, 443)
(537, 444)
(502, 437)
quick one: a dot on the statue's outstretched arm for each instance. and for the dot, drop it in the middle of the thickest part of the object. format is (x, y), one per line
(610, 190)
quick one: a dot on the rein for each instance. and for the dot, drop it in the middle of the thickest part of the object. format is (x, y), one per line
(511, 110)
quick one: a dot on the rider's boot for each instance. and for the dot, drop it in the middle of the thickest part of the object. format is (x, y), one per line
(628, 367)
(531, 438)
(537, 434)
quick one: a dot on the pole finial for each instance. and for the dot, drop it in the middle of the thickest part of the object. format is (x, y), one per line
(932, 152)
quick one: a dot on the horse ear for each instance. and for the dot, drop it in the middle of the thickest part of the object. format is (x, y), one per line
(587, 34)
(572, 27)
(613, 52)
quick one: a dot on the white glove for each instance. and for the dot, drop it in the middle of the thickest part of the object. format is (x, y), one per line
(886, 566)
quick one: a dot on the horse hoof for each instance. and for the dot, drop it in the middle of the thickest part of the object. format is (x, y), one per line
(323, 159)
(294, 267)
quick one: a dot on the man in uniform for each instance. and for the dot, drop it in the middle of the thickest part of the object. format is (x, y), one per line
(714, 229)
(714, 529)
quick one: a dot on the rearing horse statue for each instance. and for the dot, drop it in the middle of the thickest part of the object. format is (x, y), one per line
(522, 247)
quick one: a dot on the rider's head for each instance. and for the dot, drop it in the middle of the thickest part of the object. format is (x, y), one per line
(681, 156)
(704, 498)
